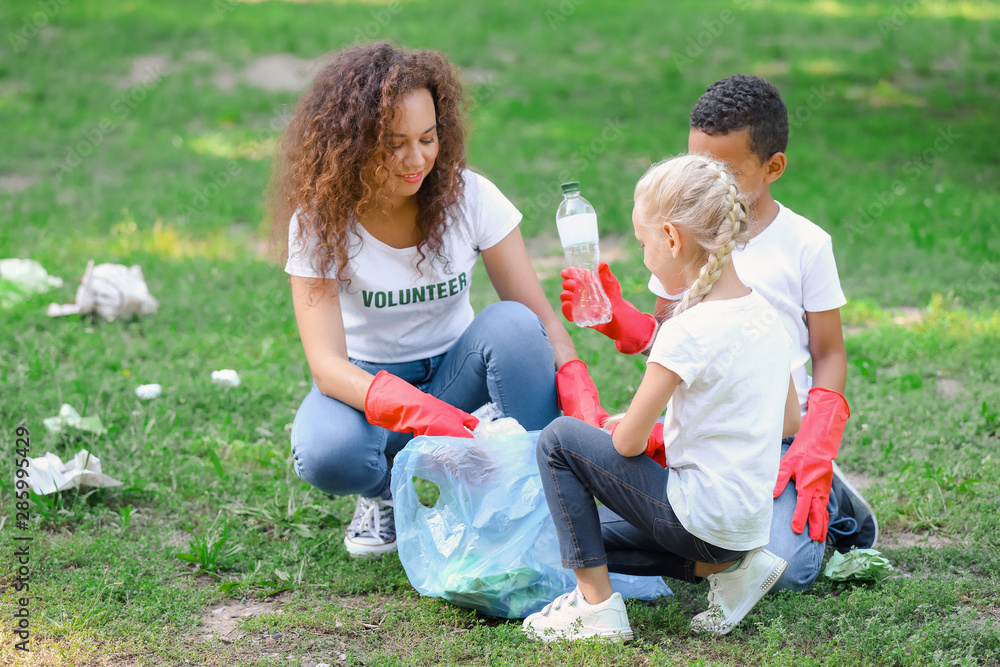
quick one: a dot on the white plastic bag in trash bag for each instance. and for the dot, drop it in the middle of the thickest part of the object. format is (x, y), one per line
(489, 542)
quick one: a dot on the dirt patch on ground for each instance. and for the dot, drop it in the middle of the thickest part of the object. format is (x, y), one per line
(145, 70)
(910, 539)
(859, 480)
(16, 183)
(221, 622)
(223, 641)
(280, 72)
(473, 76)
(178, 540)
(950, 389)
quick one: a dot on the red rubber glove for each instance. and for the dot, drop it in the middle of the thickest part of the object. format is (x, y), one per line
(578, 395)
(395, 404)
(655, 448)
(809, 461)
(631, 329)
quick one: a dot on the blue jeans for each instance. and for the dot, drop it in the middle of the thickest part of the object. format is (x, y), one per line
(503, 357)
(803, 554)
(637, 531)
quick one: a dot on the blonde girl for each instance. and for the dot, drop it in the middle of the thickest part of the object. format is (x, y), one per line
(719, 366)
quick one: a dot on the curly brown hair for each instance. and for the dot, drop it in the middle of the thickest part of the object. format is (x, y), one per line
(331, 159)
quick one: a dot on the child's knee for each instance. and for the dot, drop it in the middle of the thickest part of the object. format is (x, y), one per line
(798, 576)
(805, 558)
(554, 436)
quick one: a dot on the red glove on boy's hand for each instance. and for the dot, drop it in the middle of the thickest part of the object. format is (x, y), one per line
(809, 461)
(395, 404)
(578, 395)
(655, 448)
(631, 329)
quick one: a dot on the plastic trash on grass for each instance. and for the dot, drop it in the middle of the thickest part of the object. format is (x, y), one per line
(148, 392)
(858, 565)
(20, 278)
(68, 418)
(48, 474)
(227, 377)
(489, 543)
(111, 291)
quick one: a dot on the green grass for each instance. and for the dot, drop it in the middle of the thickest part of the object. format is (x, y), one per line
(894, 152)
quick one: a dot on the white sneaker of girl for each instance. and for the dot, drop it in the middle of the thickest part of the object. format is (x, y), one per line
(733, 594)
(570, 616)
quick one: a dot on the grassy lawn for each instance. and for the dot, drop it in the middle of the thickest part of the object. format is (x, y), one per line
(140, 132)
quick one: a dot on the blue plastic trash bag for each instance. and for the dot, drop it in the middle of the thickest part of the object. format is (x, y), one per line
(489, 542)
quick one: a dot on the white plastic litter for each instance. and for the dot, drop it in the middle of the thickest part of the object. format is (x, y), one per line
(111, 291)
(68, 418)
(227, 377)
(20, 278)
(492, 423)
(148, 392)
(48, 474)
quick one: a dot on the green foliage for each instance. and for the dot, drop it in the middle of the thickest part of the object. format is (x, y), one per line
(208, 549)
(893, 152)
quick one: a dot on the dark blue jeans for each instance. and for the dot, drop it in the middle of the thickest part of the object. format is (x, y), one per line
(636, 532)
(503, 357)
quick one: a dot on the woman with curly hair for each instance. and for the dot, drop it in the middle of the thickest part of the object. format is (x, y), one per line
(384, 223)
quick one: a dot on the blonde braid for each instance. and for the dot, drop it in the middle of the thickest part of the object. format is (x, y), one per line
(725, 241)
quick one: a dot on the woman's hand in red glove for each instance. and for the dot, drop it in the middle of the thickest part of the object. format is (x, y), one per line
(395, 404)
(578, 395)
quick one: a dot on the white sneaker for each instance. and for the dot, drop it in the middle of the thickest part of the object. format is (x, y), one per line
(570, 616)
(733, 594)
(373, 529)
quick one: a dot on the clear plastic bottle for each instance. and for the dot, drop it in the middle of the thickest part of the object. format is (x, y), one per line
(577, 224)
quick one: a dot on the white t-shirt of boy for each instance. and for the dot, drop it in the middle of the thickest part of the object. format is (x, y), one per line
(723, 423)
(791, 265)
(395, 311)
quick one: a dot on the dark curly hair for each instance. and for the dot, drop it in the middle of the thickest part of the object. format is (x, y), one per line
(330, 163)
(743, 101)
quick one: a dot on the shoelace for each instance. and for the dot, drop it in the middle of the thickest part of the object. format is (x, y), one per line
(842, 527)
(555, 605)
(370, 519)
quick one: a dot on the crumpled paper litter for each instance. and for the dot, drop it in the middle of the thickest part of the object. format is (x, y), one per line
(111, 291)
(48, 474)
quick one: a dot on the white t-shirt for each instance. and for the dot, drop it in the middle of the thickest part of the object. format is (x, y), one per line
(394, 312)
(723, 423)
(791, 265)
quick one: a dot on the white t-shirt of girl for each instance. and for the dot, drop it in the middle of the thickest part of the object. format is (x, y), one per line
(395, 312)
(723, 423)
(791, 265)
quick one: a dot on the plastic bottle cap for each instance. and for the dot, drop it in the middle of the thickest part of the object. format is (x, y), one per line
(572, 186)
